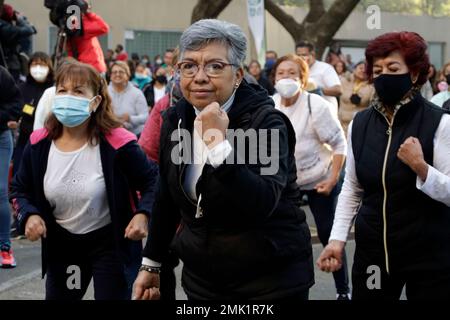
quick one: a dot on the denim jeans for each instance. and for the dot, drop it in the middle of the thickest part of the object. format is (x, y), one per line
(6, 150)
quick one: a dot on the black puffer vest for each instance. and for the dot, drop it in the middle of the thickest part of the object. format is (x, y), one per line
(397, 224)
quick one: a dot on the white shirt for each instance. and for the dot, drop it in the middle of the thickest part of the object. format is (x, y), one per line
(324, 76)
(319, 137)
(44, 108)
(159, 93)
(440, 98)
(75, 187)
(201, 154)
(436, 185)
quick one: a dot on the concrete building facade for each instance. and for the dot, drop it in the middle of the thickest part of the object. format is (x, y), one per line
(150, 26)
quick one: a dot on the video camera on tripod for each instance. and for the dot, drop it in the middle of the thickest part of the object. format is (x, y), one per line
(70, 25)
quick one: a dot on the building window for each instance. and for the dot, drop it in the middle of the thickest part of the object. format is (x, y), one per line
(436, 53)
(150, 43)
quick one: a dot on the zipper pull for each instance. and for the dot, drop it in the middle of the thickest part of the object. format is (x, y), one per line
(199, 212)
(389, 131)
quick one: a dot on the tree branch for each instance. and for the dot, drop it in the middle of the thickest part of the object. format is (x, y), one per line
(316, 11)
(286, 20)
(208, 9)
(327, 26)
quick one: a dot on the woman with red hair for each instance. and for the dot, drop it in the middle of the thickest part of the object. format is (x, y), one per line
(396, 171)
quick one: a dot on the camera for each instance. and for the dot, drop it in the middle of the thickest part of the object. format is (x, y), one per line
(59, 15)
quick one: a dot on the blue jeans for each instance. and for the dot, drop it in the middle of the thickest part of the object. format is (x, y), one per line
(6, 150)
(322, 208)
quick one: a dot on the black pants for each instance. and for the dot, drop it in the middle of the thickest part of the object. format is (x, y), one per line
(419, 284)
(322, 208)
(167, 277)
(75, 259)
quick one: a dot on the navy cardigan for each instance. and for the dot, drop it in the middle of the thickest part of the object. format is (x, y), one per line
(126, 171)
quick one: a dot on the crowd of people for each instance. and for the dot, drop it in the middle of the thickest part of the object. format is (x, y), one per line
(100, 161)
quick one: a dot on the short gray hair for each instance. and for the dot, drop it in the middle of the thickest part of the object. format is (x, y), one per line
(207, 31)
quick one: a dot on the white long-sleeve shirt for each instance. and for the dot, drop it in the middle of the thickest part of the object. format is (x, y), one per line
(436, 185)
(44, 108)
(319, 137)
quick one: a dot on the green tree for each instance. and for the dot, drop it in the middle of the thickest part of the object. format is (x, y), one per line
(319, 26)
(414, 7)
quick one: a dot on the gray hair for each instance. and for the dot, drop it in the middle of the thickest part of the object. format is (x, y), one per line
(207, 31)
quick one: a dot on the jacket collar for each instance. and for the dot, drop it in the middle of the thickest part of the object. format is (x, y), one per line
(247, 98)
(409, 97)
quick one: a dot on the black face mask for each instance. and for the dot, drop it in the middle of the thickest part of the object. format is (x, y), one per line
(447, 77)
(391, 88)
(355, 99)
(161, 79)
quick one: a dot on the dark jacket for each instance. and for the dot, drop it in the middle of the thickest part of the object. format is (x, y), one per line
(126, 171)
(252, 241)
(417, 227)
(10, 36)
(266, 84)
(10, 99)
(31, 93)
(149, 94)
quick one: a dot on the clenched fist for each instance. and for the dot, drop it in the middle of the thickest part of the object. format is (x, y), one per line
(137, 229)
(330, 259)
(146, 286)
(411, 154)
(211, 124)
(35, 228)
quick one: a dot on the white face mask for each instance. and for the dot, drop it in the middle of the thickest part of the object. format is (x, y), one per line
(287, 88)
(39, 73)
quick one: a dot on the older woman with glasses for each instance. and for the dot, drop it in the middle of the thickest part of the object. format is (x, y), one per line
(128, 101)
(228, 210)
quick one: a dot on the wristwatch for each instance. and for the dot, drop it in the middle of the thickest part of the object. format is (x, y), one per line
(144, 267)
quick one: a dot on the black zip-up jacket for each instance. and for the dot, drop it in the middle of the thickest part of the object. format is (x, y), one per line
(10, 35)
(125, 168)
(10, 99)
(398, 227)
(252, 240)
(32, 92)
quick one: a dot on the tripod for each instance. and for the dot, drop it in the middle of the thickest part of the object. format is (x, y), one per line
(61, 46)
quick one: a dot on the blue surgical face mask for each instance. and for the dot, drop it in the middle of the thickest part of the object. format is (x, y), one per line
(71, 111)
(141, 76)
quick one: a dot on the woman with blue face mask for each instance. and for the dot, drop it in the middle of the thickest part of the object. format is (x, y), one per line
(141, 77)
(77, 190)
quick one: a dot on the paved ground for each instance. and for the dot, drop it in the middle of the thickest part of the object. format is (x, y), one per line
(24, 282)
